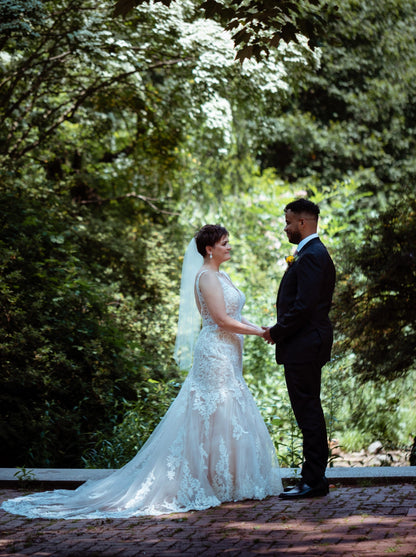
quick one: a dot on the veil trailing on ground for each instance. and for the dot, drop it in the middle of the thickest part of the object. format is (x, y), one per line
(189, 322)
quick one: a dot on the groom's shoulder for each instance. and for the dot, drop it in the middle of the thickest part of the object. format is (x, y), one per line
(314, 245)
(316, 248)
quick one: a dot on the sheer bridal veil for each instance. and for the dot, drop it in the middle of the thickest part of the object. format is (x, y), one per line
(189, 322)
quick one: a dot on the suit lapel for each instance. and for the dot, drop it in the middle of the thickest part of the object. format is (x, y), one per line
(280, 286)
(302, 251)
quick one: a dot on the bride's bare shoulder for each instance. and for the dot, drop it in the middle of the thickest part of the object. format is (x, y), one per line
(207, 278)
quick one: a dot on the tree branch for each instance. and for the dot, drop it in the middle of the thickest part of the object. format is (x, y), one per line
(149, 200)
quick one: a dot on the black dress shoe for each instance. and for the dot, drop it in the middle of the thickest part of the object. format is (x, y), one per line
(303, 490)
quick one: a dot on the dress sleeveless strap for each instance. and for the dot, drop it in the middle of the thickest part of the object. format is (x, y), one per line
(199, 274)
(198, 277)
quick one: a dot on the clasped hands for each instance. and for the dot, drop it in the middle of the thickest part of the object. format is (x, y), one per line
(266, 335)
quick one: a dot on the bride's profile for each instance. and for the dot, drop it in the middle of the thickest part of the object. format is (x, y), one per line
(212, 445)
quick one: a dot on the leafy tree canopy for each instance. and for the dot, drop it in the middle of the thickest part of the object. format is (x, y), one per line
(353, 118)
(108, 130)
(120, 137)
(258, 25)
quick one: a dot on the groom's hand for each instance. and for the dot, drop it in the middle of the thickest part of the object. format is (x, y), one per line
(266, 335)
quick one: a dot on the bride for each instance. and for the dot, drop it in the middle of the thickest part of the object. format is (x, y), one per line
(212, 445)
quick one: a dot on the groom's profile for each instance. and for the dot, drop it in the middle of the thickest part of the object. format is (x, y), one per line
(303, 338)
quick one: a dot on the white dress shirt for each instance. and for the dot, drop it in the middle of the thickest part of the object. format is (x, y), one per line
(306, 240)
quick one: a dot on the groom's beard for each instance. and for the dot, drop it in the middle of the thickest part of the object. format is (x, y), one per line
(294, 237)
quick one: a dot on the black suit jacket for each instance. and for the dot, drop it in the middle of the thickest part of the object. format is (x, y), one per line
(303, 331)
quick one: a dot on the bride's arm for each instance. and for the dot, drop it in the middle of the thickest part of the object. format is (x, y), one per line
(212, 291)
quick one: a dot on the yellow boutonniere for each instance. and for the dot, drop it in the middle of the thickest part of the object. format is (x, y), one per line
(290, 259)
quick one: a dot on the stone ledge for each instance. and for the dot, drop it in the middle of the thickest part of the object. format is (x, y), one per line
(55, 474)
(72, 477)
(359, 472)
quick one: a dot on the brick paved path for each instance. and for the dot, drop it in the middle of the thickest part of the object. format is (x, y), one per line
(351, 521)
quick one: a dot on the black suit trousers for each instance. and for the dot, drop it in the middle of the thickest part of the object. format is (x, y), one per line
(303, 382)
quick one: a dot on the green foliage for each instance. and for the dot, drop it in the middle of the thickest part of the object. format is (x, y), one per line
(354, 117)
(259, 26)
(17, 18)
(114, 449)
(119, 138)
(375, 411)
(65, 363)
(375, 306)
(75, 323)
(24, 476)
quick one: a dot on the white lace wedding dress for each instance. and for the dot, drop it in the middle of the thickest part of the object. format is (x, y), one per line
(211, 446)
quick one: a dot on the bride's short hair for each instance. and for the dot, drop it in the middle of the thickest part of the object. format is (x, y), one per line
(209, 235)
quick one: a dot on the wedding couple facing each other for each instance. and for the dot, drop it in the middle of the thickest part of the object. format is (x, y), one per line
(212, 445)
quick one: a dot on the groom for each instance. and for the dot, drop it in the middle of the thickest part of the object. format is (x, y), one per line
(303, 339)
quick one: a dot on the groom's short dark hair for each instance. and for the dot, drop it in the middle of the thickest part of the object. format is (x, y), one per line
(303, 205)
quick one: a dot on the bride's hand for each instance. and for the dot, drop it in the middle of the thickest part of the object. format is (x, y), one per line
(265, 333)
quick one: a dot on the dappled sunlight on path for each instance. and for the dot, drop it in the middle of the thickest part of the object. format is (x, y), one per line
(351, 521)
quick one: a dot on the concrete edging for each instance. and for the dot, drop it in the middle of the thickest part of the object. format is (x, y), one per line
(76, 476)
